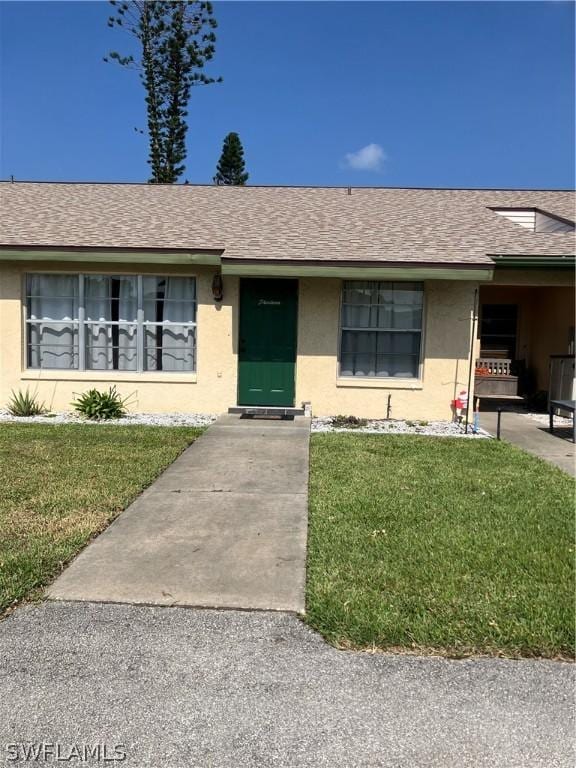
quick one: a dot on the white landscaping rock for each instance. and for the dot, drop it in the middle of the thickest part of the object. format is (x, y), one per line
(544, 418)
(132, 419)
(373, 426)
(400, 427)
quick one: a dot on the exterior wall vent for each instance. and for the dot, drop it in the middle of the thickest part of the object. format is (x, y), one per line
(536, 220)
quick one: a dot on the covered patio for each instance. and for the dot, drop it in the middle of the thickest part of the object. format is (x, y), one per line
(526, 336)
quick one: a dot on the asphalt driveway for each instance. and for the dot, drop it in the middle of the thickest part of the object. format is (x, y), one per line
(180, 688)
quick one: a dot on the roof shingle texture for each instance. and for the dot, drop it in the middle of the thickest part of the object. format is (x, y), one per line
(296, 223)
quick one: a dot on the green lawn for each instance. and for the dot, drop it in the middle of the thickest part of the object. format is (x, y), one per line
(62, 484)
(444, 545)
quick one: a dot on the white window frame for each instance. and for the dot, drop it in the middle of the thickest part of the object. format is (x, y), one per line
(140, 324)
(342, 328)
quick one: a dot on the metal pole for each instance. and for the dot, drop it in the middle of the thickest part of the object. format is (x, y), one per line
(472, 335)
(498, 424)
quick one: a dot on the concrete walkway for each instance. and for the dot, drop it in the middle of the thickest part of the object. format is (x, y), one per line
(224, 526)
(535, 438)
(192, 689)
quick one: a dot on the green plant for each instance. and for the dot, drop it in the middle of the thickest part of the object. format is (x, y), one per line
(173, 42)
(348, 422)
(101, 406)
(25, 404)
(231, 169)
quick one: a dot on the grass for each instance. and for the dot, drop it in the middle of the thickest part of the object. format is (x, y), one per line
(63, 484)
(449, 546)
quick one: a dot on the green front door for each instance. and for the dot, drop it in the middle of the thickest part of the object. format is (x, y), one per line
(267, 342)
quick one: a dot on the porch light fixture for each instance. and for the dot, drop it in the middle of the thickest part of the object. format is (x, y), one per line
(217, 287)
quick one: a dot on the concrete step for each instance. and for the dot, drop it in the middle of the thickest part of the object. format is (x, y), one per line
(265, 411)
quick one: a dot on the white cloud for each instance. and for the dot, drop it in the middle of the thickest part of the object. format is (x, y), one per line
(369, 158)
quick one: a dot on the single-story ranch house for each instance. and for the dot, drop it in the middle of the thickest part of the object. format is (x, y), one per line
(364, 301)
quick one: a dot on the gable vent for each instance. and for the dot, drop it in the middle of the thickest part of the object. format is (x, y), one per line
(535, 220)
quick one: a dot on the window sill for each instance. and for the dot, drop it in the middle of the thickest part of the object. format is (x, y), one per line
(111, 377)
(379, 383)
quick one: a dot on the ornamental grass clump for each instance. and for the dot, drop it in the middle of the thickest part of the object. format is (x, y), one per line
(101, 406)
(348, 422)
(25, 404)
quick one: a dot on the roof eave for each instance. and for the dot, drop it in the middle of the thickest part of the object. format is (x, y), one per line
(411, 270)
(110, 255)
(534, 262)
(358, 270)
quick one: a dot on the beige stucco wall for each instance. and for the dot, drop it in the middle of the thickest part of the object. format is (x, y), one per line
(448, 310)
(211, 390)
(554, 308)
(446, 351)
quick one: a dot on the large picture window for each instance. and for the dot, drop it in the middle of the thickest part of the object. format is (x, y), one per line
(111, 322)
(381, 329)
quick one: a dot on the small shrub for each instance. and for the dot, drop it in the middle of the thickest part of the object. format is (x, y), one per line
(25, 404)
(101, 406)
(348, 422)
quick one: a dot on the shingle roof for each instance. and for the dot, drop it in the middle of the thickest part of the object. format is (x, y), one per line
(454, 226)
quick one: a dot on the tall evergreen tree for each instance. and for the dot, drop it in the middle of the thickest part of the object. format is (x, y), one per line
(231, 169)
(176, 39)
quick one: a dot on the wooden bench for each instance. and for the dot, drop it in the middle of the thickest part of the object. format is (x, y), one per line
(494, 378)
(563, 405)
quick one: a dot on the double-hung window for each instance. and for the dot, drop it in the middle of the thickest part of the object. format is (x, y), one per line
(111, 322)
(169, 323)
(381, 329)
(52, 321)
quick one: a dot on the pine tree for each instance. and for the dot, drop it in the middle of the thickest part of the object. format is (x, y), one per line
(231, 169)
(176, 40)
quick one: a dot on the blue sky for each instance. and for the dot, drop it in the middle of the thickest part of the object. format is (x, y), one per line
(393, 94)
